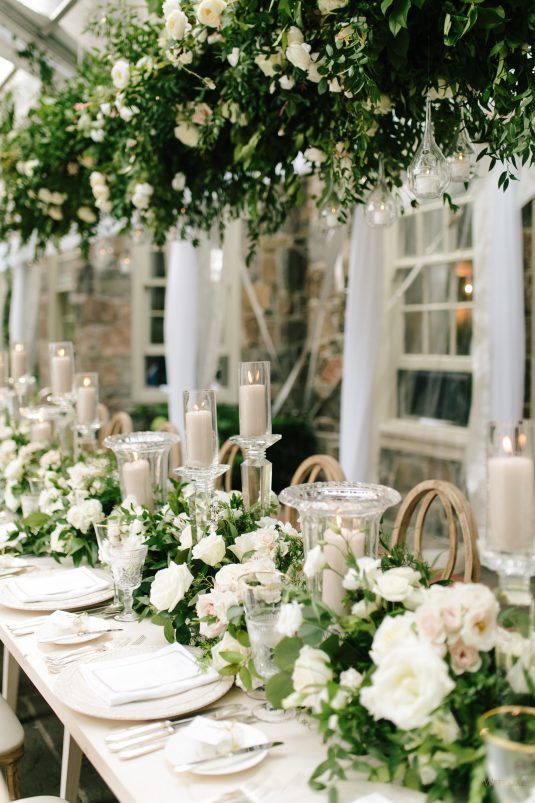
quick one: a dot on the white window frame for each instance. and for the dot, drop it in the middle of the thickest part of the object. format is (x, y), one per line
(430, 438)
(142, 284)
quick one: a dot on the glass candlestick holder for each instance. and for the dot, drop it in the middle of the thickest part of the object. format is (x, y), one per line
(87, 417)
(19, 361)
(143, 460)
(256, 470)
(201, 503)
(62, 373)
(342, 519)
(43, 422)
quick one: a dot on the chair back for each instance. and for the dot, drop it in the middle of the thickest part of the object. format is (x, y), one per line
(119, 424)
(459, 514)
(103, 413)
(227, 454)
(310, 470)
(175, 455)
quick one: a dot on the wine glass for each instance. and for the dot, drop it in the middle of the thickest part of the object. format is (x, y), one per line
(262, 600)
(509, 736)
(126, 565)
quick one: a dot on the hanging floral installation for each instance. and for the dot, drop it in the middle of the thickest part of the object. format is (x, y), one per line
(212, 110)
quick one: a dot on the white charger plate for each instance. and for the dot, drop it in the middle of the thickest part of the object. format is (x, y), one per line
(9, 600)
(232, 764)
(73, 690)
(15, 566)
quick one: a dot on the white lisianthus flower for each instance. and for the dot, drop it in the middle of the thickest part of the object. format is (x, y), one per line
(395, 585)
(86, 214)
(210, 549)
(295, 36)
(298, 54)
(179, 182)
(268, 64)
(234, 56)
(120, 74)
(188, 134)
(411, 682)
(209, 12)
(142, 195)
(315, 562)
(311, 673)
(290, 619)
(286, 82)
(170, 586)
(177, 25)
(351, 679)
(326, 6)
(315, 155)
(391, 633)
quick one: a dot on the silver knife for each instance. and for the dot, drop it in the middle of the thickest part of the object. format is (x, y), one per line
(252, 749)
(57, 639)
(218, 712)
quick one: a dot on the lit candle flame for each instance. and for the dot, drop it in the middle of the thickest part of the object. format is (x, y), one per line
(257, 377)
(522, 441)
(87, 381)
(19, 347)
(507, 445)
(135, 456)
(250, 377)
(61, 352)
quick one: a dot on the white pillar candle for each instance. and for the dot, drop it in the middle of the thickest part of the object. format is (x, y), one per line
(510, 502)
(41, 432)
(426, 184)
(336, 550)
(253, 410)
(61, 373)
(381, 217)
(137, 481)
(86, 404)
(199, 440)
(19, 361)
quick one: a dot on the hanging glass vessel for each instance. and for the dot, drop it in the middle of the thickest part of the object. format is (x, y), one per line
(381, 207)
(462, 161)
(330, 212)
(429, 171)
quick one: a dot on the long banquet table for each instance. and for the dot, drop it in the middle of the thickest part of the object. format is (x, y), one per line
(282, 776)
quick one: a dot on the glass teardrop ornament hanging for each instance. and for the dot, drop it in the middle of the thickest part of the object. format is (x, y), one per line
(462, 161)
(429, 171)
(380, 207)
(330, 212)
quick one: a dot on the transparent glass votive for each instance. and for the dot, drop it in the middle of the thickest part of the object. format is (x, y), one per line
(509, 736)
(200, 425)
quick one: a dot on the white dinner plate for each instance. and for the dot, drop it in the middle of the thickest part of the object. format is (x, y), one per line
(48, 633)
(64, 641)
(73, 690)
(11, 565)
(9, 600)
(230, 765)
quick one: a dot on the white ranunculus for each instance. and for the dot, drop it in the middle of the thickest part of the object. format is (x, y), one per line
(86, 214)
(179, 182)
(299, 55)
(234, 56)
(351, 679)
(286, 82)
(391, 633)
(268, 64)
(315, 155)
(209, 12)
(210, 549)
(188, 134)
(410, 683)
(290, 619)
(315, 562)
(120, 74)
(170, 586)
(395, 585)
(326, 6)
(295, 36)
(311, 673)
(177, 25)
(169, 6)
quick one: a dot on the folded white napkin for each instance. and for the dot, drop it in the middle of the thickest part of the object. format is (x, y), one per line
(208, 738)
(146, 676)
(11, 562)
(63, 623)
(375, 797)
(64, 584)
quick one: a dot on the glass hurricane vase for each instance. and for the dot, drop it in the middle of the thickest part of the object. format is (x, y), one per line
(143, 463)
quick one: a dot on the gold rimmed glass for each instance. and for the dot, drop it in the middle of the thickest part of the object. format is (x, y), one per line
(509, 736)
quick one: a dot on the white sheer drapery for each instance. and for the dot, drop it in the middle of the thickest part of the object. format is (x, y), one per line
(361, 345)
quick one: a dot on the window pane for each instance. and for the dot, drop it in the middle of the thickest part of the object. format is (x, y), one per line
(463, 325)
(157, 264)
(414, 292)
(433, 232)
(460, 228)
(438, 283)
(155, 373)
(413, 332)
(465, 285)
(407, 236)
(156, 329)
(157, 299)
(432, 394)
(439, 331)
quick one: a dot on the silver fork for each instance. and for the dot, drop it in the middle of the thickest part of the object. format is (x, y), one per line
(55, 665)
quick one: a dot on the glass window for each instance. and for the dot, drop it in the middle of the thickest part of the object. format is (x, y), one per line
(155, 371)
(156, 329)
(435, 394)
(414, 294)
(439, 331)
(413, 333)
(407, 236)
(460, 228)
(157, 298)
(433, 231)
(438, 283)
(157, 264)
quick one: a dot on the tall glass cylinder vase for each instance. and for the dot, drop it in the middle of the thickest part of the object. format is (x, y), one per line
(341, 518)
(61, 356)
(87, 418)
(202, 467)
(508, 545)
(143, 460)
(255, 433)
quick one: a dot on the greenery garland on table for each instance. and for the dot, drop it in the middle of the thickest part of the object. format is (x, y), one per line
(198, 112)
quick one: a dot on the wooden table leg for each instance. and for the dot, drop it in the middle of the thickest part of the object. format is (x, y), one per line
(71, 762)
(10, 679)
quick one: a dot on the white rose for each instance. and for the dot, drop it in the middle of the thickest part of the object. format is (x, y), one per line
(170, 586)
(480, 627)
(395, 585)
(315, 155)
(210, 549)
(179, 182)
(290, 619)
(186, 537)
(411, 682)
(227, 644)
(105, 108)
(202, 114)
(310, 676)
(142, 195)
(177, 25)
(295, 36)
(326, 6)
(364, 608)
(286, 82)
(120, 74)
(234, 56)
(315, 562)
(101, 192)
(50, 459)
(170, 6)
(97, 134)
(313, 73)
(11, 501)
(49, 501)
(391, 633)
(299, 55)
(96, 178)
(57, 544)
(268, 63)
(209, 12)
(335, 85)
(14, 470)
(86, 214)
(188, 134)
(351, 679)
